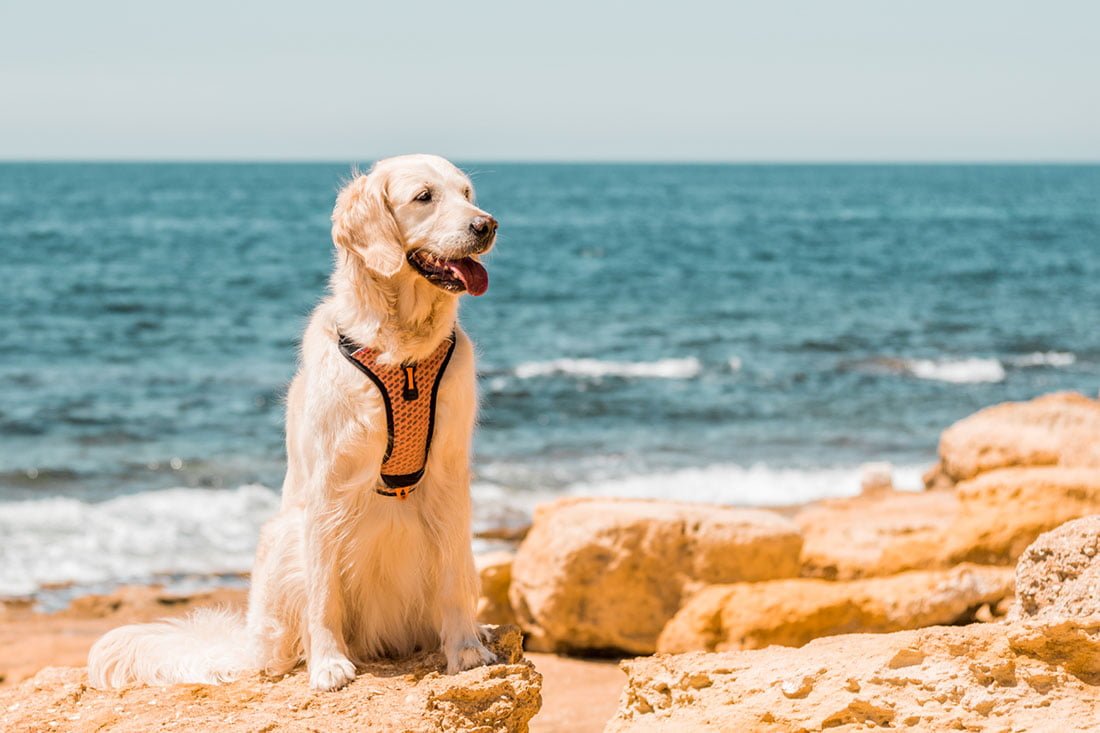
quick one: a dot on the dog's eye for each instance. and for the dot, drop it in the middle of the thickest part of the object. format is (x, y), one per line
(424, 196)
(466, 193)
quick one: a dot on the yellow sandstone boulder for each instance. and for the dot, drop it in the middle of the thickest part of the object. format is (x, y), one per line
(495, 570)
(1057, 614)
(600, 574)
(989, 519)
(1060, 429)
(879, 534)
(794, 612)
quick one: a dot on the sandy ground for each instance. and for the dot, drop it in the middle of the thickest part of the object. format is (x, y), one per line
(579, 695)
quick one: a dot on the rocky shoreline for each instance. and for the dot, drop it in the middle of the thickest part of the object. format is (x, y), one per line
(974, 605)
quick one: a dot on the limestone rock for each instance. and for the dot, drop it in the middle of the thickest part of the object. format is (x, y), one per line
(794, 612)
(597, 574)
(495, 569)
(1003, 511)
(989, 520)
(1059, 574)
(879, 534)
(406, 695)
(1061, 429)
(1057, 615)
(934, 679)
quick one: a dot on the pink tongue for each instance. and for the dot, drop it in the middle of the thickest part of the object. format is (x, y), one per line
(472, 275)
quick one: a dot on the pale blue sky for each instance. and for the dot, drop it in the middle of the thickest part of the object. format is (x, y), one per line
(784, 81)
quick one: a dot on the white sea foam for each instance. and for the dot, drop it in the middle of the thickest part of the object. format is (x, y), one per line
(597, 368)
(957, 371)
(1044, 358)
(207, 532)
(63, 540)
(757, 485)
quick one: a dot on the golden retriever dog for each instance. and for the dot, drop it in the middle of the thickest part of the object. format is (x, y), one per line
(348, 570)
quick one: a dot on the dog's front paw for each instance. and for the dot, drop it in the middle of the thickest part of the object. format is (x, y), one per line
(467, 655)
(331, 673)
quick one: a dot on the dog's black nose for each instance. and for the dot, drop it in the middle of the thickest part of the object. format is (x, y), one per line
(483, 227)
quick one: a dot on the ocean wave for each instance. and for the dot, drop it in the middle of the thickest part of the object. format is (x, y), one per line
(956, 371)
(211, 532)
(1044, 359)
(973, 370)
(61, 540)
(757, 485)
(686, 368)
(206, 533)
(61, 547)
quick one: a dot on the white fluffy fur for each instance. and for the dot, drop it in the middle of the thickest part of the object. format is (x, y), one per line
(216, 651)
(343, 574)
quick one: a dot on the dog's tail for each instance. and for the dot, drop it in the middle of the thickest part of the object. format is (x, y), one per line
(207, 647)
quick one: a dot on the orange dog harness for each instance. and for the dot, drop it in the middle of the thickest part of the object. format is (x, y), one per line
(410, 411)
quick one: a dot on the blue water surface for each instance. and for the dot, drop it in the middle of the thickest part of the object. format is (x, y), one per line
(640, 318)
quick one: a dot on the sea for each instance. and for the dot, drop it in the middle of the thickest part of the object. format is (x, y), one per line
(745, 334)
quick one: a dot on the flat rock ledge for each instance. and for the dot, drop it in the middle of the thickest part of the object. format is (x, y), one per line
(934, 679)
(402, 695)
(796, 611)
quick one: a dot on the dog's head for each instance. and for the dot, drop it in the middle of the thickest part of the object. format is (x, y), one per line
(414, 216)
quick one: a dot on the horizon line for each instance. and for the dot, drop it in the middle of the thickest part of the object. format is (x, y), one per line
(568, 161)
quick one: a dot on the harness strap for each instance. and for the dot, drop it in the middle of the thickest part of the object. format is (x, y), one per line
(410, 420)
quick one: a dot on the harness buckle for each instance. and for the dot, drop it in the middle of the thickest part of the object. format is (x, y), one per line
(410, 392)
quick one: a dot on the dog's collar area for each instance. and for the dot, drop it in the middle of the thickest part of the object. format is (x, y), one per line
(410, 420)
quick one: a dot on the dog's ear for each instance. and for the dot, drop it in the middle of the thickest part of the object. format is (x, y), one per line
(363, 224)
